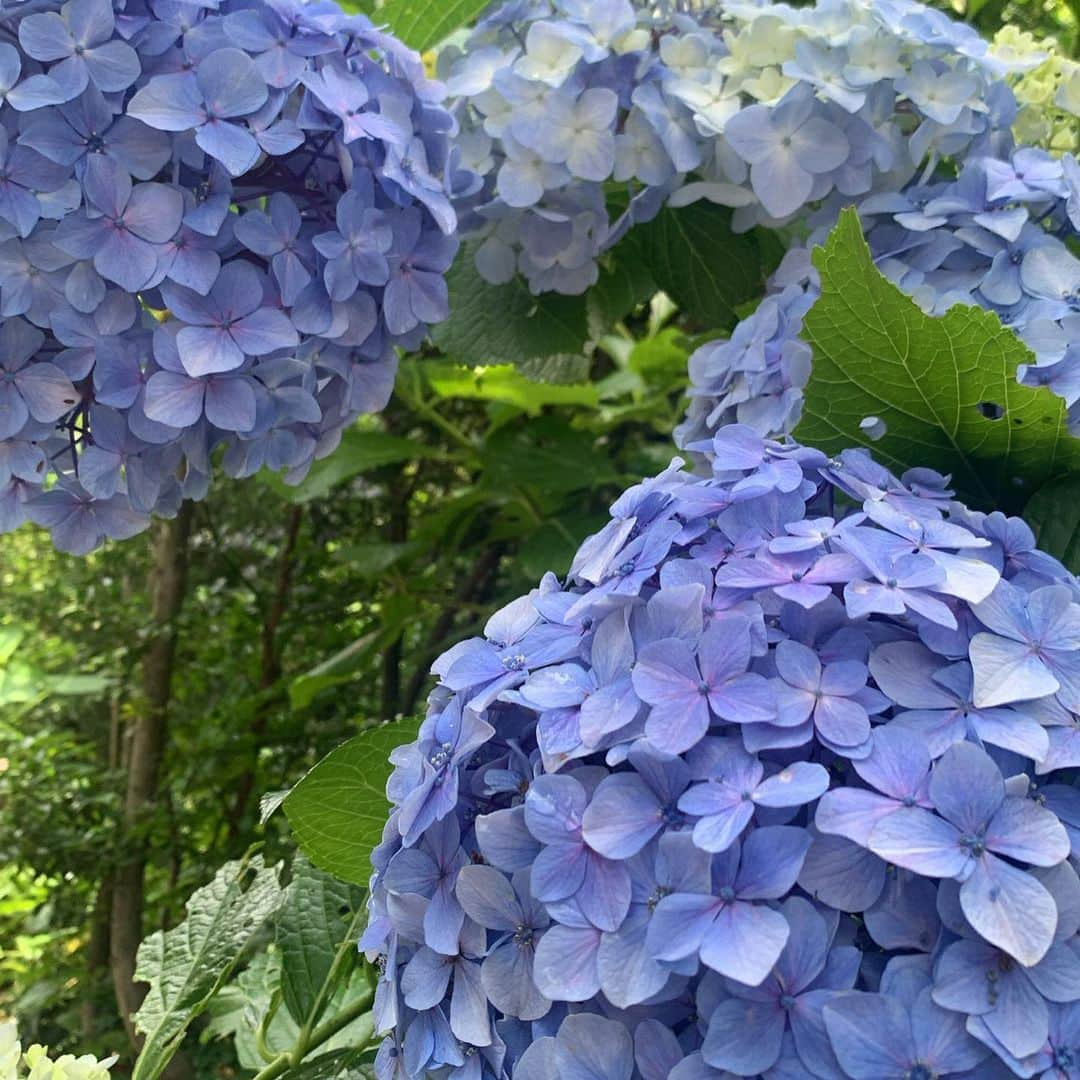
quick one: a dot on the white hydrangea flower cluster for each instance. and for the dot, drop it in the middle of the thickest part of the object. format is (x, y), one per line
(36, 1064)
(1048, 94)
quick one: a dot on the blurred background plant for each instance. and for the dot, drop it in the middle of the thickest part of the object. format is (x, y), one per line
(151, 693)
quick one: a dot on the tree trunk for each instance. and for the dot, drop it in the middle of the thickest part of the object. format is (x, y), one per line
(269, 669)
(167, 585)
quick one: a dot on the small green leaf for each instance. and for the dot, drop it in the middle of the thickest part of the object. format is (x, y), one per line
(504, 383)
(424, 23)
(187, 965)
(1053, 512)
(662, 356)
(707, 269)
(333, 671)
(359, 452)
(315, 918)
(935, 382)
(338, 810)
(506, 324)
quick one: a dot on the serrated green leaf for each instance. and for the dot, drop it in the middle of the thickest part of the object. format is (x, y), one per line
(506, 384)
(707, 269)
(1053, 512)
(360, 451)
(424, 23)
(340, 1065)
(506, 324)
(931, 380)
(317, 914)
(338, 810)
(186, 965)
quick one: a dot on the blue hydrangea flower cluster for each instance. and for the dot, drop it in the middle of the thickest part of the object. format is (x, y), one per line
(766, 108)
(217, 221)
(778, 783)
(994, 237)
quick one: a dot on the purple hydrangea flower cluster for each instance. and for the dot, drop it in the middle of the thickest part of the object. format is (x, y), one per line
(994, 237)
(217, 222)
(779, 783)
(765, 108)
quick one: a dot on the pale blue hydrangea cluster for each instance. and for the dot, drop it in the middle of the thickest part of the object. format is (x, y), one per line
(778, 783)
(570, 106)
(218, 220)
(994, 237)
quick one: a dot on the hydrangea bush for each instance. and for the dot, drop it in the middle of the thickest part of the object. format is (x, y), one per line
(217, 223)
(765, 108)
(994, 237)
(776, 784)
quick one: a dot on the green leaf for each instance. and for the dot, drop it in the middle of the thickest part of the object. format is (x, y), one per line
(931, 380)
(556, 369)
(493, 324)
(701, 264)
(424, 23)
(1054, 514)
(333, 671)
(317, 915)
(338, 810)
(185, 966)
(505, 384)
(340, 1065)
(660, 358)
(359, 452)
(624, 283)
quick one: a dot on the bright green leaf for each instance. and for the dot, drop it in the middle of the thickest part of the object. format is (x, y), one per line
(186, 965)
(505, 384)
(506, 324)
(315, 918)
(338, 810)
(664, 356)
(707, 269)
(931, 380)
(424, 23)
(1054, 513)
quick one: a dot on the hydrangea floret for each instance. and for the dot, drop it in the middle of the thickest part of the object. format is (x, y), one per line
(777, 783)
(765, 108)
(217, 223)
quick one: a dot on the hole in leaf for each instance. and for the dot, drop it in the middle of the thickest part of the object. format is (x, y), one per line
(991, 410)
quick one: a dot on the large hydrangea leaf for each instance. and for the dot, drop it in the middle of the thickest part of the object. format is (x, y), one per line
(424, 23)
(337, 810)
(709, 270)
(491, 324)
(186, 965)
(944, 389)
